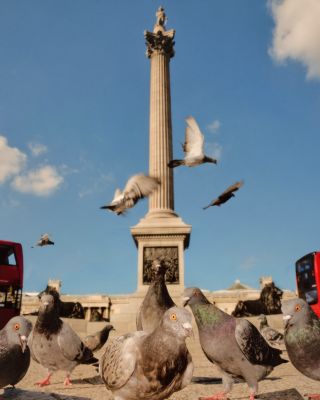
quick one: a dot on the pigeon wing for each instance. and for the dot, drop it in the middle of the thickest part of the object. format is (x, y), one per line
(232, 188)
(31, 344)
(71, 345)
(252, 344)
(194, 141)
(139, 186)
(119, 360)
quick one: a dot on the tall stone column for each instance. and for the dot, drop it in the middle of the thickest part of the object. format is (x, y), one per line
(161, 233)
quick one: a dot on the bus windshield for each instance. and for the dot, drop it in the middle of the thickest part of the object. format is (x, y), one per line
(306, 280)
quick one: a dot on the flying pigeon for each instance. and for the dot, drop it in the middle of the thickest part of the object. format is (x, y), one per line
(14, 353)
(151, 366)
(192, 147)
(44, 240)
(137, 187)
(302, 338)
(226, 195)
(235, 346)
(54, 344)
(97, 340)
(157, 300)
(271, 335)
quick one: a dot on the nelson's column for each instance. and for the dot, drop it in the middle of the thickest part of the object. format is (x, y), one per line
(161, 234)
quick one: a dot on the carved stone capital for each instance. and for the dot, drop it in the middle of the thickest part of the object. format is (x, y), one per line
(160, 42)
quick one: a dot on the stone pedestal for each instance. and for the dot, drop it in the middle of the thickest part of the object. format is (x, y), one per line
(162, 233)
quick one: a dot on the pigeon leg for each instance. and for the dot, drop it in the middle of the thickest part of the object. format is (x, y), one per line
(217, 396)
(313, 396)
(67, 381)
(46, 381)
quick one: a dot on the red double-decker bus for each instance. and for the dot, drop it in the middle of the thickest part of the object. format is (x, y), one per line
(308, 279)
(11, 280)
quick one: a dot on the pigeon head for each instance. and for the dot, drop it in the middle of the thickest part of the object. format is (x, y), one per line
(18, 329)
(177, 321)
(47, 303)
(192, 296)
(296, 312)
(210, 160)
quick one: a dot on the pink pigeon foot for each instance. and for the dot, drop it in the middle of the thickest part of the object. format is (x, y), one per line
(45, 382)
(313, 396)
(217, 396)
(67, 381)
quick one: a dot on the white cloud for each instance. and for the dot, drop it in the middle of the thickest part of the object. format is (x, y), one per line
(12, 160)
(214, 150)
(214, 126)
(297, 33)
(37, 148)
(41, 182)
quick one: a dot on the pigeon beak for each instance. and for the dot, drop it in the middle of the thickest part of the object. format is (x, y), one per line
(23, 343)
(45, 303)
(185, 301)
(286, 319)
(188, 328)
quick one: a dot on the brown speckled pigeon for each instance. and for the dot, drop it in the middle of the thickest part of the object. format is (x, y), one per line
(97, 340)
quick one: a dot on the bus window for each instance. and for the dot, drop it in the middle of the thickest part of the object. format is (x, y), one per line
(7, 256)
(306, 281)
(10, 297)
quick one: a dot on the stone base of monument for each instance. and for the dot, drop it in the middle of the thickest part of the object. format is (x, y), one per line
(289, 394)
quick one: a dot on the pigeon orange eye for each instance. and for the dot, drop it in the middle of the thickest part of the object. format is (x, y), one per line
(297, 307)
(16, 327)
(173, 317)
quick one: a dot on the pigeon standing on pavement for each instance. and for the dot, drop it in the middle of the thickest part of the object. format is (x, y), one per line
(97, 340)
(235, 346)
(302, 338)
(225, 196)
(157, 300)
(14, 352)
(137, 187)
(54, 344)
(192, 147)
(271, 335)
(151, 366)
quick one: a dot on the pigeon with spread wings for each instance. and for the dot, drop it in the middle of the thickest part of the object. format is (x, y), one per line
(44, 240)
(137, 187)
(226, 195)
(192, 147)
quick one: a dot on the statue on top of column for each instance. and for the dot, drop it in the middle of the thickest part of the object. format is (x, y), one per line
(161, 19)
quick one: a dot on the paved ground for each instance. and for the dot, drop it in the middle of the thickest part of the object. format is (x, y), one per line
(87, 384)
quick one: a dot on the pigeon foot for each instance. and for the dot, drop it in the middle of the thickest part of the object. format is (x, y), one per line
(217, 396)
(313, 396)
(67, 381)
(45, 382)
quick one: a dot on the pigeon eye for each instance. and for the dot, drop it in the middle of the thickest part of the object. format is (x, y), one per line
(297, 307)
(16, 327)
(173, 317)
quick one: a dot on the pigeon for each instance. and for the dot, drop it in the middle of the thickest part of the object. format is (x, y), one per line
(151, 366)
(192, 147)
(271, 335)
(226, 195)
(157, 300)
(137, 187)
(235, 346)
(44, 240)
(302, 338)
(14, 352)
(54, 344)
(97, 340)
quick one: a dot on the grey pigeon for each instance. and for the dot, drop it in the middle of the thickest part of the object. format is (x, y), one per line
(302, 338)
(271, 335)
(137, 187)
(97, 340)
(226, 195)
(151, 366)
(14, 353)
(54, 344)
(192, 147)
(235, 346)
(157, 300)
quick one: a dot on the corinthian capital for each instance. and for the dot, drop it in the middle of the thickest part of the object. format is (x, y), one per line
(160, 41)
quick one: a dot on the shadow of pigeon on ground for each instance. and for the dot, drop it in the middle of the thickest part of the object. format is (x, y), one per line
(19, 394)
(206, 380)
(94, 380)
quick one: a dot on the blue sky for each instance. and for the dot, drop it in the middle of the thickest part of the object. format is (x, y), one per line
(74, 114)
